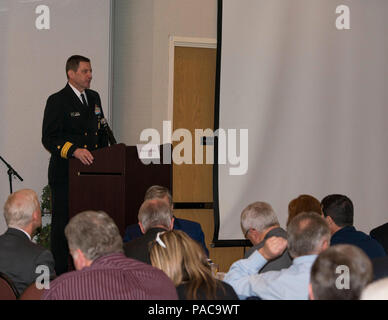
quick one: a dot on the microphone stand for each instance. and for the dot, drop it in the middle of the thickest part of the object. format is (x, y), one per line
(11, 172)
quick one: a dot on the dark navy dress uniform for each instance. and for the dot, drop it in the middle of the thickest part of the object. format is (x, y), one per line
(67, 125)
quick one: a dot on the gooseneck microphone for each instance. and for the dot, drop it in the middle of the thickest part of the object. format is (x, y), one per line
(105, 126)
(108, 131)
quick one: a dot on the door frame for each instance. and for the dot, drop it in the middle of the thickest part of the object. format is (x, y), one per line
(177, 41)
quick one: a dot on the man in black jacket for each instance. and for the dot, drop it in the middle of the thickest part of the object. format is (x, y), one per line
(154, 216)
(19, 256)
(71, 128)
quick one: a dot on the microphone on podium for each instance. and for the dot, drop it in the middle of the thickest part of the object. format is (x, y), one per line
(105, 126)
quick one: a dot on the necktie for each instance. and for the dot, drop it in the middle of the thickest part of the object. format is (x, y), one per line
(83, 99)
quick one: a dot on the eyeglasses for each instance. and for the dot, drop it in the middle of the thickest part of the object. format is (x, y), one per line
(246, 233)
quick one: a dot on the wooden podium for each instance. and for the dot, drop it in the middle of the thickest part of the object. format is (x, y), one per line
(115, 183)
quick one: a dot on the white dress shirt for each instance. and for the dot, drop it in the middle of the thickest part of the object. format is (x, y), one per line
(79, 93)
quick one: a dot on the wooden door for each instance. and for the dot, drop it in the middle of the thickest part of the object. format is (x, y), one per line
(194, 89)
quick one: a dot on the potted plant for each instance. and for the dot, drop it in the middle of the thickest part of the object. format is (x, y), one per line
(42, 234)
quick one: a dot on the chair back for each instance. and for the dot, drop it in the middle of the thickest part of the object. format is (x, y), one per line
(8, 290)
(32, 293)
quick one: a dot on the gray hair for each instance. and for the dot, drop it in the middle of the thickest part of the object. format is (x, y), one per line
(306, 234)
(158, 192)
(324, 273)
(94, 233)
(19, 207)
(153, 213)
(259, 216)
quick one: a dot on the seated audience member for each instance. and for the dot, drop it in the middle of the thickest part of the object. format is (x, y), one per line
(340, 273)
(183, 260)
(380, 267)
(259, 223)
(102, 270)
(338, 211)
(19, 256)
(193, 229)
(154, 216)
(377, 290)
(304, 203)
(308, 235)
(381, 235)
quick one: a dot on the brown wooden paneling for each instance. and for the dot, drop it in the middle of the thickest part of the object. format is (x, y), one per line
(224, 257)
(194, 87)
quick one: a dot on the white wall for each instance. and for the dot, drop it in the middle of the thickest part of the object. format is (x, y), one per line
(140, 93)
(142, 30)
(32, 67)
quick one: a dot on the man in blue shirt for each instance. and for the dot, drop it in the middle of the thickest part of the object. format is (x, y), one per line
(338, 212)
(308, 235)
(193, 229)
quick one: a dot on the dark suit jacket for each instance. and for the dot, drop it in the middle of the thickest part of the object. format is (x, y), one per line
(380, 268)
(193, 230)
(68, 125)
(19, 258)
(139, 248)
(381, 235)
(349, 235)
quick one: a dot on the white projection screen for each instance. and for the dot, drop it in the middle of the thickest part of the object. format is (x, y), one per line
(36, 38)
(308, 79)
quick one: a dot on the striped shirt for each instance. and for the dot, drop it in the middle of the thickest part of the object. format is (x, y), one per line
(113, 277)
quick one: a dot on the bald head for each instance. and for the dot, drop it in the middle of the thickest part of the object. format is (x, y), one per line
(20, 207)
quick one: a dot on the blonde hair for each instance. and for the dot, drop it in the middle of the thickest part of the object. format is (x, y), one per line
(185, 262)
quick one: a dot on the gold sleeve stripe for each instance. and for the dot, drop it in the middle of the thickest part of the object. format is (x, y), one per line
(65, 149)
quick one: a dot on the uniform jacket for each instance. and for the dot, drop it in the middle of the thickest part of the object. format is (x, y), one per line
(68, 125)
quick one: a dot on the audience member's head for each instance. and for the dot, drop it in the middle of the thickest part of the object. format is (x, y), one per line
(159, 192)
(91, 235)
(308, 233)
(340, 273)
(377, 290)
(155, 213)
(256, 220)
(338, 211)
(303, 203)
(185, 262)
(22, 211)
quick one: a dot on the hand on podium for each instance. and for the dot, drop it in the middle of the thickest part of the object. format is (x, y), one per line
(84, 156)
